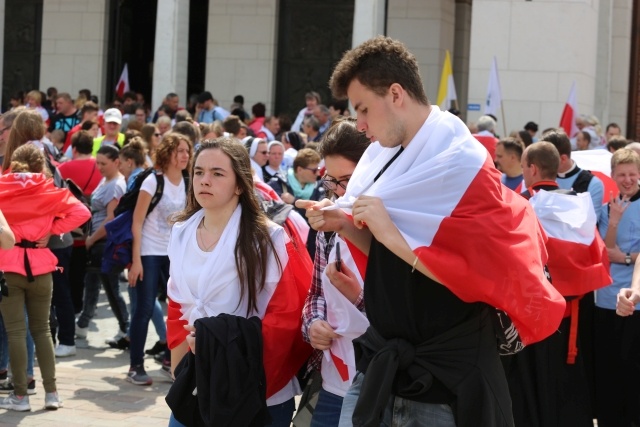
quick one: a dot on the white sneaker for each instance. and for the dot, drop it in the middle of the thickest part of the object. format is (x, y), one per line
(15, 403)
(65, 350)
(116, 338)
(81, 332)
(52, 401)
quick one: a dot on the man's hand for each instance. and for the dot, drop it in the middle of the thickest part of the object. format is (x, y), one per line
(617, 208)
(370, 212)
(616, 255)
(627, 300)
(321, 334)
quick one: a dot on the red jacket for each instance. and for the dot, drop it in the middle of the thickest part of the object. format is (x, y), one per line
(35, 207)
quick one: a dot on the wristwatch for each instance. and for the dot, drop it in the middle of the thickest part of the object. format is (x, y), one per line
(627, 259)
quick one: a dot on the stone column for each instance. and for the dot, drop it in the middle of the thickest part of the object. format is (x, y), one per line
(171, 52)
(368, 20)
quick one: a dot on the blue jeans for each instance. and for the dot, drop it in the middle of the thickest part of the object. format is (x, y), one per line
(61, 300)
(399, 411)
(155, 268)
(4, 348)
(111, 284)
(157, 318)
(327, 411)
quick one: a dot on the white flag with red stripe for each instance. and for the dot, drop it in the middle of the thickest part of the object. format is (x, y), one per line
(346, 320)
(478, 238)
(569, 113)
(123, 83)
(578, 260)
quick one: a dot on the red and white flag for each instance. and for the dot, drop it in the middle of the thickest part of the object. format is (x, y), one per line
(598, 162)
(478, 238)
(570, 112)
(123, 83)
(578, 260)
(339, 366)
(218, 290)
(493, 101)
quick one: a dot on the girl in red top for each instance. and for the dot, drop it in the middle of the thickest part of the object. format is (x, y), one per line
(35, 209)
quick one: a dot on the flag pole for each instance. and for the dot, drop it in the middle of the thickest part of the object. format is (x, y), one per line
(504, 123)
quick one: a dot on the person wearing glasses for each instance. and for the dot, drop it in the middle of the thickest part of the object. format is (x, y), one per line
(324, 312)
(301, 183)
(258, 154)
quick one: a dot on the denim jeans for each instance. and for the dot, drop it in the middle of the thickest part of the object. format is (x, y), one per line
(399, 411)
(4, 348)
(327, 411)
(62, 304)
(111, 284)
(155, 269)
(157, 318)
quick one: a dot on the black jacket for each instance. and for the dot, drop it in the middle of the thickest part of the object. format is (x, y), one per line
(227, 372)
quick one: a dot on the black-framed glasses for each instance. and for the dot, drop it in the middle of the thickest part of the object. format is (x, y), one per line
(331, 183)
(314, 170)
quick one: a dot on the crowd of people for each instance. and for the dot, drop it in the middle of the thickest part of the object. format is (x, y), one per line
(399, 267)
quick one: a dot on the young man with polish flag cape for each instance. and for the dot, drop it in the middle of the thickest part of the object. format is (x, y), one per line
(429, 210)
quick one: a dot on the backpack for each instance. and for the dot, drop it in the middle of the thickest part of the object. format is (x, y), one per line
(581, 184)
(118, 251)
(79, 194)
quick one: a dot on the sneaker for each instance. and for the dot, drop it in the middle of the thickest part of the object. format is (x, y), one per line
(52, 401)
(158, 347)
(121, 344)
(15, 403)
(81, 332)
(116, 338)
(65, 350)
(6, 387)
(138, 376)
(166, 371)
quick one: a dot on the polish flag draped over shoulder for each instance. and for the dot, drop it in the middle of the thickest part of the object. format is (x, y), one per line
(123, 83)
(570, 112)
(479, 239)
(578, 260)
(279, 303)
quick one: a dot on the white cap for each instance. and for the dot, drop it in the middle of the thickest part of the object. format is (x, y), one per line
(113, 115)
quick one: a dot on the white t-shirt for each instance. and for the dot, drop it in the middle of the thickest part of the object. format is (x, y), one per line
(156, 227)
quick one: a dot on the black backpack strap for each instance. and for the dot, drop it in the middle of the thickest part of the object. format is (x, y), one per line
(158, 194)
(581, 184)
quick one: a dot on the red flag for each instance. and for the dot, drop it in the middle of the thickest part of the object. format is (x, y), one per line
(568, 119)
(123, 83)
(578, 260)
(478, 238)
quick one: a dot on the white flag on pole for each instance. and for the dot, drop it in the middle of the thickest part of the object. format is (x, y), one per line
(494, 93)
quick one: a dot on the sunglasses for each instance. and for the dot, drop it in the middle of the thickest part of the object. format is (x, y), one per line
(331, 183)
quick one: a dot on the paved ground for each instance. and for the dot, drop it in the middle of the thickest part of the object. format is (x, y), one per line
(93, 387)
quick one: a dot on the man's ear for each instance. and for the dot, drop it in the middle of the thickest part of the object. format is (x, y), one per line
(397, 93)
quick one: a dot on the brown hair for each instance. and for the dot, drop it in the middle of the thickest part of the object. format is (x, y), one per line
(135, 150)
(513, 146)
(232, 124)
(560, 140)
(254, 243)
(545, 156)
(83, 142)
(28, 126)
(305, 157)
(29, 158)
(169, 145)
(377, 64)
(624, 156)
(345, 140)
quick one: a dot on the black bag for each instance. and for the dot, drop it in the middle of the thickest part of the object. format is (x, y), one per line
(94, 256)
(85, 229)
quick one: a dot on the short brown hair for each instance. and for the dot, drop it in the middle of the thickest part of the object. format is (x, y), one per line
(345, 140)
(545, 156)
(624, 156)
(377, 64)
(560, 140)
(305, 157)
(29, 158)
(512, 145)
(166, 148)
(232, 124)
